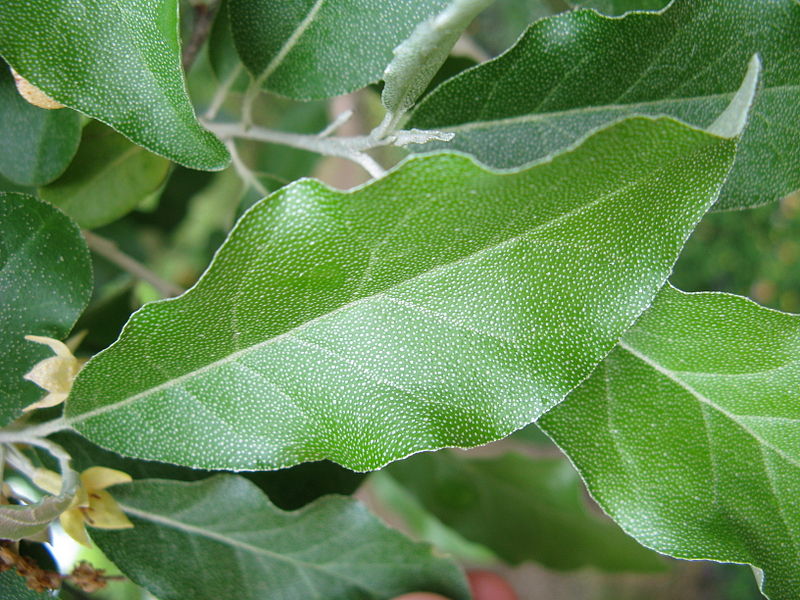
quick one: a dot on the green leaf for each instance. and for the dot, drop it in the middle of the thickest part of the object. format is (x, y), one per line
(418, 58)
(108, 178)
(12, 587)
(618, 7)
(242, 547)
(577, 71)
(687, 433)
(522, 509)
(442, 305)
(45, 283)
(310, 49)
(117, 61)
(400, 503)
(287, 488)
(37, 144)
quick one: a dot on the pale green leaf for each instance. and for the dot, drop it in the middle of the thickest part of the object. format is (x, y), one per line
(687, 434)
(308, 49)
(117, 61)
(442, 305)
(522, 509)
(574, 72)
(418, 58)
(45, 283)
(394, 500)
(109, 177)
(19, 521)
(36, 145)
(241, 546)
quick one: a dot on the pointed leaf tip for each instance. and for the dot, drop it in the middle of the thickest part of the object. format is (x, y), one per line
(732, 121)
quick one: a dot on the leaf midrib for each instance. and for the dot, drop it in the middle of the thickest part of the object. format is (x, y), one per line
(289, 44)
(733, 417)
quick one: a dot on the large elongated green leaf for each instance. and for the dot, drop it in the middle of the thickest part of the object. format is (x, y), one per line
(308, 49)
(117, 61)
(442, 305)
(687, 434)
(240, 546)
(45, 283)
(36, 145)
(522, 509)
(108, 178)
(573, 72)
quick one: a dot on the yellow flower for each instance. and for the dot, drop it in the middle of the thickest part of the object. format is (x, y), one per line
(33, 94)
(54, 374)
(92, 505)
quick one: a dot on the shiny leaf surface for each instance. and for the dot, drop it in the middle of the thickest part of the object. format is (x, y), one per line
(574, 72)
(117, 61)
(45, 283)
(442, 305)
(687, 434)
(306, 49)
(334, 548)
(36, 145)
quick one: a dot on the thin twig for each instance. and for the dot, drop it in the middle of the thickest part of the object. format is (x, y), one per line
(203, 19)
(109, 250)
(243, 170)
(222, 93)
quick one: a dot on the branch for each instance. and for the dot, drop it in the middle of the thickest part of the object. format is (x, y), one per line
(352, 148)
(109, 250)
(204, 13)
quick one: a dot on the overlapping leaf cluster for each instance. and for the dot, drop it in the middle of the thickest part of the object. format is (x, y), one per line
(447, 303)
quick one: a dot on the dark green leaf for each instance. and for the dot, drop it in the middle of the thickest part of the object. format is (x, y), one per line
(308, 49)
(522, 509)
(618, 7)
(36, 144)
(442, 305)
(577, 71)
(687, 433)
(45, 283)
(288, 489)
(117, 61)
(108, 178)
(13, 587)
(233, 543)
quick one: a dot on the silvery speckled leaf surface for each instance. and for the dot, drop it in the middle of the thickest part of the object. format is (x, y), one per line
(36, 145)
(442, 305)
(45, 283)
(236, 544)
(573, 72)
(117, 61)
(687, 433)
(308, 49)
